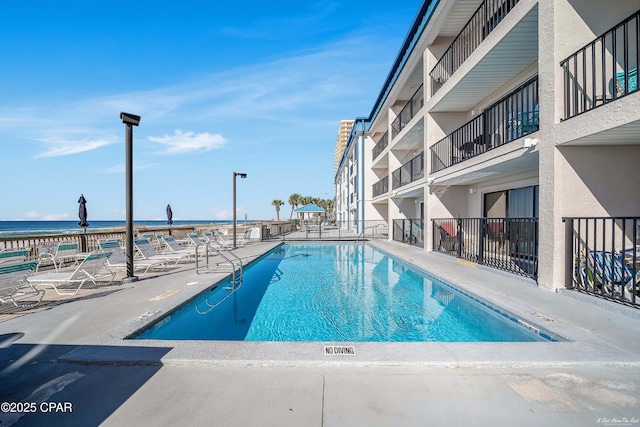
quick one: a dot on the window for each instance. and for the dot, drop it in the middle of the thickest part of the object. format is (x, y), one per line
(514, 203)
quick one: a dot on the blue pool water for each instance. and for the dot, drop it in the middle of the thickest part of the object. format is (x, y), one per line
(338, 292)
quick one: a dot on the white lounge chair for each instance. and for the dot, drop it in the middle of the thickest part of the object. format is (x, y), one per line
(222, 239)
(93, 268)
(148, 252)
(13, 256)
(173, 247)
(250, 235)
(242, 239)
(14, 284)
(63, 251)
(118, 260)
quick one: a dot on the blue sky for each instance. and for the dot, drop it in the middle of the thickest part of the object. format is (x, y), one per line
(255, 87)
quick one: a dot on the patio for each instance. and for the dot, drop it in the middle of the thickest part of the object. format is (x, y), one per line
(79, 347)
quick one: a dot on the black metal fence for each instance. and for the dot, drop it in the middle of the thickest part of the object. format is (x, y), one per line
(509, 244)
(381, 187)
(604, 70)
(603, 257)
(409, 172)
(380, 145)
(484, 20)
(320, 230)
(408, 112)
(512, 117)
(409, 231)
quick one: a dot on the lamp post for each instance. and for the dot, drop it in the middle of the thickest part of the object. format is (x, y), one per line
(129, 120)
(241, 175)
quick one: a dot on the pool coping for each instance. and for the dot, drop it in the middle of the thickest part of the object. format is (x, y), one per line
(579, 348)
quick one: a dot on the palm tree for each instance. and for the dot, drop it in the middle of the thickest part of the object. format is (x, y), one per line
(329, 207)
(294, 201)
(277, 203)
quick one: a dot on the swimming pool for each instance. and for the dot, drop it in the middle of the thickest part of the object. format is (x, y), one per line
(340, 292)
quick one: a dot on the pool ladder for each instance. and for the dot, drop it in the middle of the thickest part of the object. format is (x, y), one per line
(232, 259)
(363, 231)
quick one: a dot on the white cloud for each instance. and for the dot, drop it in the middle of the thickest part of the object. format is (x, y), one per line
(60, 147)
(33, 215)
(222, 214)
(187, 142)
(327, 81)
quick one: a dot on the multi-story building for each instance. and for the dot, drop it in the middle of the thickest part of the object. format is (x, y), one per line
(341, 141)
(499, 122)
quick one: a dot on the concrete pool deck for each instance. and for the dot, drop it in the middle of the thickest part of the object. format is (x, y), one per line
(75, 353)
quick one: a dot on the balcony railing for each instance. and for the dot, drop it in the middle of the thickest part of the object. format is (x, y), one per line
(512, 117)
(408, 112)
(483, 21)
(604, 70)
(409, 172)
(602, 256)
(381, 145)
(381, 187)
(509, 244)
(409, 231)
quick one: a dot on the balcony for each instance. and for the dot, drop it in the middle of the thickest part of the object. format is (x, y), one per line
(409, 172)
(408, 112)
(483, 21)
(509, 244)
(602, 257)
(381, 187)
(512, 117)
(380, 146)
(409, 231)
(589, 73)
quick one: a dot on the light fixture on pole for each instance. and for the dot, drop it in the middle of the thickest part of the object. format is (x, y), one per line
(129, 120)
(241, 175)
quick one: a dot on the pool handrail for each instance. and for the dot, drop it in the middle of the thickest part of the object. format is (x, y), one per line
(209, 245)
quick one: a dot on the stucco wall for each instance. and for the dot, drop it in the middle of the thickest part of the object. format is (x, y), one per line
(599, 180)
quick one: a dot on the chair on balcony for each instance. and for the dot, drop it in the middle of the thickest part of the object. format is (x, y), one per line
(603, 271)
(620, 89)
(524, 122)
(496, 232)
(448, 237)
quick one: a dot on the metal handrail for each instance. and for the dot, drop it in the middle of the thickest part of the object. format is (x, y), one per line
(413, 171)
(509, 244)
(602, 257)
(513, 116)
(236, 284)
(485, 19)
(208, 246)
(408, 112)
(211, 307)
(604, 70)
(363, 230)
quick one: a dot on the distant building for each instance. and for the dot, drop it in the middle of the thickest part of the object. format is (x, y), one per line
(499, 122)
(341, 141)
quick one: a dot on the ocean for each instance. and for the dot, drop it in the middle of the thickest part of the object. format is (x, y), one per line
(29, 228)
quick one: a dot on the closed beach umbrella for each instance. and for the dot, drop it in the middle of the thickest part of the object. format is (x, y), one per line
(82, 211)
(169, 215)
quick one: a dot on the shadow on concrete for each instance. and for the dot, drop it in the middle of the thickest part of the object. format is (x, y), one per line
(70, 385)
